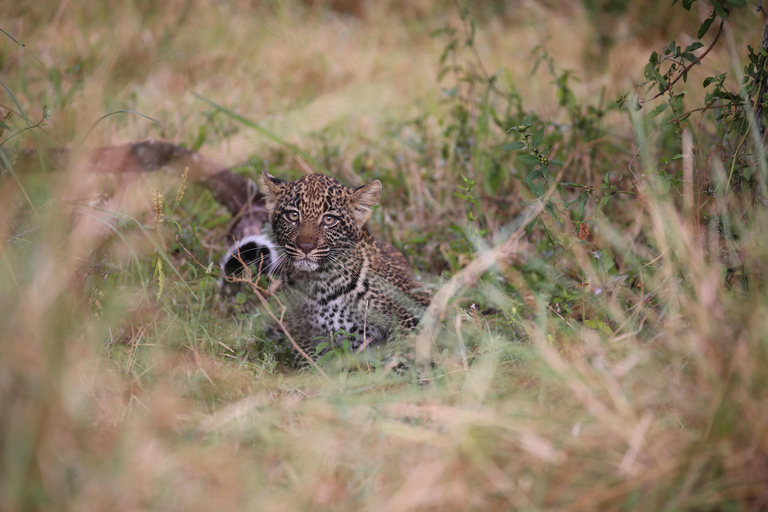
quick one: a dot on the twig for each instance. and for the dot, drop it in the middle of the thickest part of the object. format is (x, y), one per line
(685, 70)
(469, 35)
(676, 119)
(637, 153)
(263, 301)
(279, 321)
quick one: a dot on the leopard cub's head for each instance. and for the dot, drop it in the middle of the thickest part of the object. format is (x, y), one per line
(316, 218)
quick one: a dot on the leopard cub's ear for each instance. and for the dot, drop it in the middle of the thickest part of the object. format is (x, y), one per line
(364, 199)
(272, 188)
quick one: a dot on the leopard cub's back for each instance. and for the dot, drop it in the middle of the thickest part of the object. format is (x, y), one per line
(336, 276)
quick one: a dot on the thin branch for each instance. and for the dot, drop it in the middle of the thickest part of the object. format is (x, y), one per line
(685, 70)
(469, 40)
(677, 119)
(639, 148)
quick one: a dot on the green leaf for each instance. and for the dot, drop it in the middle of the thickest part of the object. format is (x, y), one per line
(694, 46)
(529, 159)
(735, 4)
(513, 146)
(556, 162)
(705, 26)
(550, 207)
(583, 198)
(538, 137)
(528, 121)
(240, 298)
(568, 204)
(530, 226)
(530, 180)
(662, 186)
(599, 325)
(321, 346)
(677, 101)
(535, 174)
(720, 11)
(658, 110)
(450, 47)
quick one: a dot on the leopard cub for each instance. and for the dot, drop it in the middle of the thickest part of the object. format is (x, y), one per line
(336, 276)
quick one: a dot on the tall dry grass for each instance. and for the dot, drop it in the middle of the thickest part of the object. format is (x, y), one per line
(119, 393)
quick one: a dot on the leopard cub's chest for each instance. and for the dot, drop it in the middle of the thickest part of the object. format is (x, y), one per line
(335, 300)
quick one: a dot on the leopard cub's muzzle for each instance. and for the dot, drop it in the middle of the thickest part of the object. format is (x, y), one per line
(307, 255)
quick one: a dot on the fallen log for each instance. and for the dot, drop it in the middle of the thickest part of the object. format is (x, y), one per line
(248, 247)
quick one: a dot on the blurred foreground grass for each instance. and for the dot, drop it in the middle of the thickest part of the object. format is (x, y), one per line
(611, 358)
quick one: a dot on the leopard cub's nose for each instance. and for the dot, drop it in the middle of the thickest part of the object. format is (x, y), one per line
(306, 244)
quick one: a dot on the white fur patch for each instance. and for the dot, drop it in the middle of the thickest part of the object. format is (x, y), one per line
(259, 240)
(306, 265)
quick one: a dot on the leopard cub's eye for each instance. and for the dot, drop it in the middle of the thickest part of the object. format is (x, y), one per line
(329, 221)
(292, 216)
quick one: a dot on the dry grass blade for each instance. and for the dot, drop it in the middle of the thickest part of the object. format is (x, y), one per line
(609, 356)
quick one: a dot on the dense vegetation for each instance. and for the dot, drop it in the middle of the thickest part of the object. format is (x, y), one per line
(582, 186)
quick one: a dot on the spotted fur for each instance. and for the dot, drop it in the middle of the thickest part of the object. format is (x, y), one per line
(337, 277)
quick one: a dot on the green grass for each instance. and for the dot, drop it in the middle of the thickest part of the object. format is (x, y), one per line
(597, 339)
